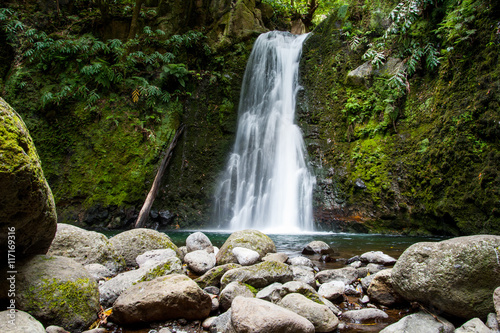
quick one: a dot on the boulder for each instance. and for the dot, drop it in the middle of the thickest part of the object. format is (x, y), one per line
(245, 257)
(332, 291)
(304, 274)
(457, 276)
(300, 261)
(381, 290)
(28, 215)
(200, 261)
(98, 271)
(250, 239)
(132, 243)
(474, 325)
(271, 293)
(279, 257)
(168, 297)
(228, 294)
(59, 291)
(222, 323)
(199, 241)
(252, 315)
(86, 247)
(317, 247)
(15, 321)
(347, 275)
(364, 315)
(361, 75)
(492, 323)
(153, 257)
(213, 276)
(114, 287)
(259, 275)
(420, 322)
(496, 302)
(366, 281)
(377, 257)
(319, 315)
(302, 288)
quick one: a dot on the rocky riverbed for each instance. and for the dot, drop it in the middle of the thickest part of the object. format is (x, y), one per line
(140, 281)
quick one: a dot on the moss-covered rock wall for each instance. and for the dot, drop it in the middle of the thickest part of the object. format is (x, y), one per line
(422, 161)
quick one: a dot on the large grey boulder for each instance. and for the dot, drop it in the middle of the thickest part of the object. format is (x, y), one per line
(114, 287)
(232, 290)
(86, 247)
(250, 239)
(259, 275)
(200, 261)
(304, 274)
(381, 289)
(199, 241)
(420, 323)
(319, 315)
(58, 291)
(317, 247)
(347, 275)
(28, 215)
(474, 325)
(457, 276)
(213, 276)
(332, 291)
(132, 243)
(168, 297)
(15, 321)
(245, 257)
(300, 261)
(252, 315)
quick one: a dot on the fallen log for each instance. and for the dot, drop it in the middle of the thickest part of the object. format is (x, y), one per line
(146, 207)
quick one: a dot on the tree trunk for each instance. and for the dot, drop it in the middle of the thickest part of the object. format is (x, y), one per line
(135, 18)
(144, 213)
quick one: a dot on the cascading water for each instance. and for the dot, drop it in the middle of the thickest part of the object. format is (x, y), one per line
(267, 184)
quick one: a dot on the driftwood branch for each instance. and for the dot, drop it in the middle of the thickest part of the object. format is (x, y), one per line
(144, 213)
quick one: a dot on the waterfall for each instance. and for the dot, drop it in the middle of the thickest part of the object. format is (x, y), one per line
(267, 184)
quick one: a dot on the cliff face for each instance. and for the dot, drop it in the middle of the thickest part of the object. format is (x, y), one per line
(423, 159)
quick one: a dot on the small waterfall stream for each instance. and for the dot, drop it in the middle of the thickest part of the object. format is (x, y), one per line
(267, 184)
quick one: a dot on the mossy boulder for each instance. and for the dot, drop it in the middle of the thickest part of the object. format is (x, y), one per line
(213, 276)
(249, 239)
(27, 208)
(457, 276)
(132, 243)
(259, 275)
(86, 247)
(57, 291)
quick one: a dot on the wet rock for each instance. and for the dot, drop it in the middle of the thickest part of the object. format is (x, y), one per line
(332, 291)
(114, 287)
(382, 291)
(259, 275)
(377, 257)
(279, 257)
(364, 315)
(245, 257)
(154, 257)
(212, 290)
(319, 315)
(168, 297)
(353, 290)
(420, 322)
(347, 275)
(250, 239)
(457, 276)
(229, 293)
(352, 260)
(200, 261)
(255, 315)
(59, 291)
(474, 325)
(23, 322)
(199, 241)
(317, 247)
(213, 276)
(86, 247)
(132, 243)
(28, 208)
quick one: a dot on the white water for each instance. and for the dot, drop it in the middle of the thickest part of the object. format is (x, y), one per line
(267, 184)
